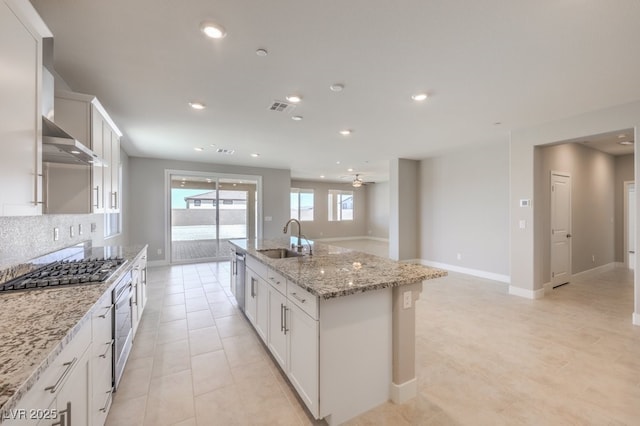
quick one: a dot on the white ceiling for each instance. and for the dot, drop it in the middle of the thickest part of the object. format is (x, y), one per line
(518, 63)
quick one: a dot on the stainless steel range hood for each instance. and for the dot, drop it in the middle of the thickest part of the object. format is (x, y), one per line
(60, 147)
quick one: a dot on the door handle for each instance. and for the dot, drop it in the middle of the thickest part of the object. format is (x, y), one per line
(568, 235)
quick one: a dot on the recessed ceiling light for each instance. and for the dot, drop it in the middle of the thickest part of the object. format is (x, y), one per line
(337, 162)
(197, 105)
(419, 97)
(199, 148)
(626, 143)
(497, 123)
(349, 170)
(622, 136)
(294, 98)
(262, 52)
(346, 132)
(213, 144)
(321, 176)
(213, 30)
(297, 118)
(255, 155)
(337, 87)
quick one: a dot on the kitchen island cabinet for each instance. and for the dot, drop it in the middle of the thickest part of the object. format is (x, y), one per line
(21, 34)
(340, 325)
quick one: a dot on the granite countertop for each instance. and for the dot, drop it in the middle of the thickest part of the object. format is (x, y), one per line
(38, 324)
(335, 271)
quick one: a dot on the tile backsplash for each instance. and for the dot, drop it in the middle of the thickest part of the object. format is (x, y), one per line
(26, 237)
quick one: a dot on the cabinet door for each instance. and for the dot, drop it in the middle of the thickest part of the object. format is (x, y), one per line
(72, 401)
(276, 337)
(21, 160)
(97, 171)
(143, 284)
(251, 295)
(135, 293)
(262, 309)
(303, 366)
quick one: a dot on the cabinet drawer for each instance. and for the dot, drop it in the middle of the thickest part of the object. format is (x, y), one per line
(303, 299)
(277, 281)
(257, 267)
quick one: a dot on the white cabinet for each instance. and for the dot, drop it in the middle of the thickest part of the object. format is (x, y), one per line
(303, 350)
(262, 309)
(21, 32)
(250, 295)
(73, 399)
(102, 359)
(84, 117)
(277, 337)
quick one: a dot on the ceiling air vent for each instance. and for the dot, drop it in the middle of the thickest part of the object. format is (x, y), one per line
(281, 106)
(225, 151)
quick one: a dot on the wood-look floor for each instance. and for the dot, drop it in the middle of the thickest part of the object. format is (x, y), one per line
(484, 357)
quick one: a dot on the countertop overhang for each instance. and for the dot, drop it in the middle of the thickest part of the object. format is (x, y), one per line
(336, 271)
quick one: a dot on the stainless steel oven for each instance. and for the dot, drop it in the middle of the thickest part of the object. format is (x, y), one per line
(122, 325)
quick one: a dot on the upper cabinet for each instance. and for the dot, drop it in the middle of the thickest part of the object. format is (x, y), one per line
(21, 34)
(96, 188)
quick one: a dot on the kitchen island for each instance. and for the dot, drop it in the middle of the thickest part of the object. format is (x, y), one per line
(340, 323)
(39, 325)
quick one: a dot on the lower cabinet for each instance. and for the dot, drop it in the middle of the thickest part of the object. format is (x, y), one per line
(277, 339)
(73, 398)
(256, 302)
(303, 349)
(139, 296)
(102, 360)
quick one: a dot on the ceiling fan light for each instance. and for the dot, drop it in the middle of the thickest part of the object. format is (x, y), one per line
(357, 182)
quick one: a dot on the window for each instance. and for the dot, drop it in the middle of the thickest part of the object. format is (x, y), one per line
(302, 204)
(340, 205)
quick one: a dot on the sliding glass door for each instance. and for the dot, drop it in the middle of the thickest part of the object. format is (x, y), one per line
(207, 210)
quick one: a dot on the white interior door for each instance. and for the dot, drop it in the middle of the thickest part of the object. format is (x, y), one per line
(631, 225)
(560, 228)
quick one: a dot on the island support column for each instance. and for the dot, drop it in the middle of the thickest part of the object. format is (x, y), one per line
(404, 384)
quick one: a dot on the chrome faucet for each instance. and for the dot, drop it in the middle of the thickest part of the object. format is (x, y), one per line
(286, 227)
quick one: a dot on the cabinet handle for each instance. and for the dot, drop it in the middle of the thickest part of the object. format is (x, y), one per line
(281, 317)
(253, 290)
(298, 298)
(109, 344)
(107, 309)
(97, 204)
(69, 365)
(106, 401)
(63, 416)
(285, 320)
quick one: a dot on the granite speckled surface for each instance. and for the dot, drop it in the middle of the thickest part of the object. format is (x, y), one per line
(335, 271)
(38, 324)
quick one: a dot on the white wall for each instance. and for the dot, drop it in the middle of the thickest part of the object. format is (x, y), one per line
(464, 208)
(321, 227)
(592, 204)
(147, 198)
(377, 223)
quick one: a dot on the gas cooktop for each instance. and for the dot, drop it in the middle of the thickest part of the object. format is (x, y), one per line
(65, 273)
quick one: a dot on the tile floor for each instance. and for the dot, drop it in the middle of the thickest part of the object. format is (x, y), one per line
(484, 357)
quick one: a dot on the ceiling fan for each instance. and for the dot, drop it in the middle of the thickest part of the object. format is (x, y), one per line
(357, 182)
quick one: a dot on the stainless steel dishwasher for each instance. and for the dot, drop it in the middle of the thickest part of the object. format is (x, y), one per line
(239, 272)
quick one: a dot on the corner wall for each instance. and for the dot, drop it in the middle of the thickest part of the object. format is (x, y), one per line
(464, 209)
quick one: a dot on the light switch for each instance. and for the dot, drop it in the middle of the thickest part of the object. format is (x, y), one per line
(523, 224)
(406, 302)
(56, 234)
(72, 231)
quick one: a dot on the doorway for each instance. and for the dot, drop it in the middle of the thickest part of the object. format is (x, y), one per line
(560, 228)
(630, 224)
(206, 210)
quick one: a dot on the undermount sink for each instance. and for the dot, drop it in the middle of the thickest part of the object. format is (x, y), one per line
(279, 253)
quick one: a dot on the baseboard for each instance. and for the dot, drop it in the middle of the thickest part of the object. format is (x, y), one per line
(547, 287)
(597, 269)
(468, 271)
(156, 263)
(404, 392)
(364, 237)
(526, 293)
(635, 319)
